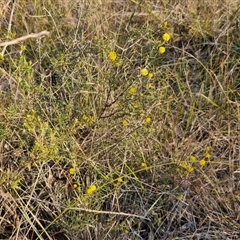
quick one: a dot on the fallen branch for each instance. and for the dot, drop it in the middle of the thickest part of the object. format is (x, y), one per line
(109, 212)
(20, 39)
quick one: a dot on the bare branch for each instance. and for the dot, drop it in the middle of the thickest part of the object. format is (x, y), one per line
(20, 39)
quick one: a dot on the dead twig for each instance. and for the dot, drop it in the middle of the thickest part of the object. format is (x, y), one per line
(20, 39)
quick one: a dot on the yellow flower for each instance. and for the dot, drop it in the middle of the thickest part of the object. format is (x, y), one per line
(75, 185)
(95, 38)
(143, 165)
(112, 56)
(147, 120)
(202, 162)
(193, 159)
(84, 118)
(184, 164)
(23, 48)
(180, 196)
(87, 119)
(190, 168)
(166, 37)
(132, 90)
(72, 171)
(1, 58)
(119, 179)
(208, 149)
(162, 50)
(144, 72)
(118, 64)
(165, 24)
(125, 122)
(207, 155)
(149, 85)
(150, 75)
(187, 167)
(91, 189)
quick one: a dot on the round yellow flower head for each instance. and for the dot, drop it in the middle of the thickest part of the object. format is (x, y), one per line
(193, 158)
(72, 171)
(190, 169)
(208, 148)
(207, 155)
(118, 64)
(149, 85)
(150, 75)
(165, 24)
(125, 122)
(166, 37)
(147, 120)
(202, 162)
(120, 179)
(184, 164)
(132, 90)
(91, 189)
(162, 50)
(143, 165)
(144, 72)
(112, 56)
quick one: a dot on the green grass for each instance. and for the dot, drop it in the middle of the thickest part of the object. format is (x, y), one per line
(91, 149)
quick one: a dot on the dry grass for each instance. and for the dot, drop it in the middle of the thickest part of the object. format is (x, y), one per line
(164, 157)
